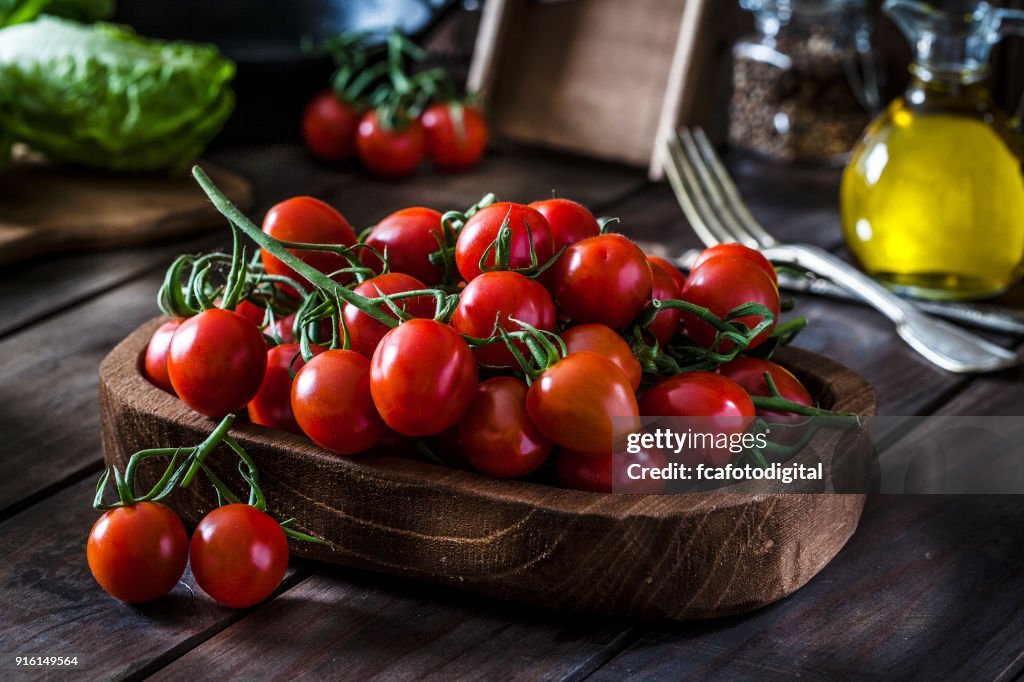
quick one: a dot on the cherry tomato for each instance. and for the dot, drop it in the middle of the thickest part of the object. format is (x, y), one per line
(677, 276)
(332, 404)
(155, 364)
(284, 328)
(569, 222)
(310, 221)
(216, 362)
(409, 237)
(329, 127)
(482, 229)
(423, 377)
(251, 312)
(666, 323)
(239, 555)
(574, 401)
(702, 394)
(605, 473)
(494, 297)
(456, 135)
(138, 553)
(720, 285)
(366, 332)
(749, 373)
(604, 279)
(605, 341)
(737, 251)
(497, 435)
(390, 153)
(272, 405)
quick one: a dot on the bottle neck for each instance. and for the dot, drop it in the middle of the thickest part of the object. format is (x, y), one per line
(931, 85)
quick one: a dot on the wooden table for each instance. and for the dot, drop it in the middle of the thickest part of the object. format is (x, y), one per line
(928, 586)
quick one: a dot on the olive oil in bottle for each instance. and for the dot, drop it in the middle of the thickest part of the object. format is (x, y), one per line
(933, 197)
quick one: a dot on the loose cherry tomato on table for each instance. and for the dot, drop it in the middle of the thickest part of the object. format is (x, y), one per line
(423, 376)
(455, 135)
(494, 297)
(364, 331)
(310, 221)
(331, 401)
(677, 276)
(137, 553)
(604, 279)
(666, 323)
(722, 284)
(239, 555)
(272, 405)
(482, 229)
(389, 152)
(575, 401)
(749, 373)
(608, 473)
(569, 221)
(216, 362)
(155, 363)
(605, 341)
(737, 251)
(408, 237)
(724, 403)
(329, 127)
(496, 434)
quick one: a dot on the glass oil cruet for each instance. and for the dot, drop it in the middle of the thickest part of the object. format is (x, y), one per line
(933, 197)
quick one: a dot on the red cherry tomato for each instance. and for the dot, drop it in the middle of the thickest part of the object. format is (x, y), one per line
(138, 553)
(366, 332)
(737, 251)
(666, 323)
(677, 276)
(423, 377)
(390, 153)
(329, 127)
(310, 221)
(272, 405)
(569, 222)
(155, 363)
(456, 135)
(332, 405)
(216, 362)
(605, 341)
(574, 402)
(497, 435)
(605, 473)
(494, 297)
(238, 555)
(604, 279)
(749, 373)
(702, 394)
(408, 237)
(482, 229)
(251, 312)
(720, 285)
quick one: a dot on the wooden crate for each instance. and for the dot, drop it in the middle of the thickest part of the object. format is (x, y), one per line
(605, 78)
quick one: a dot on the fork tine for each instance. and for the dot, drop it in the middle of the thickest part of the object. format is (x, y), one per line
(732, 194)
(702, 217)
(709, 187)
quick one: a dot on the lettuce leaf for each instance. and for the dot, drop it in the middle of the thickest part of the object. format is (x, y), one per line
(19, 11)
(103, 96)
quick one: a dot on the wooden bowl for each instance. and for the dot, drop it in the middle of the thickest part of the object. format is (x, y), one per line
(664, 557)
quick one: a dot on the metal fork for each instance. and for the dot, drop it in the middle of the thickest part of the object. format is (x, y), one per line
(716, 212)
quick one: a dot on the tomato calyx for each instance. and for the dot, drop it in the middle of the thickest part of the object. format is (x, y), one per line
(452, 223)
(501, 250)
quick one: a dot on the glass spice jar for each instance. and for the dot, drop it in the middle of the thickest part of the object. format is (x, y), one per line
(805, 85)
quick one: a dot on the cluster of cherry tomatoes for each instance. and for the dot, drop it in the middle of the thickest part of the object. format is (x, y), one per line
(390, 118)
(501, 339)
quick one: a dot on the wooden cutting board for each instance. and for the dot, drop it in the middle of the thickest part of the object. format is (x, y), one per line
(48, 208)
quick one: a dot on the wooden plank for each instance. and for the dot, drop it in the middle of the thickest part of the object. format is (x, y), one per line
(49, 391)
(356, 627)
(928, 589)
(52, 605)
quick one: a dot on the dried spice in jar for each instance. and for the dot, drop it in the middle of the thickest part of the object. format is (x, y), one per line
(804, 85)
